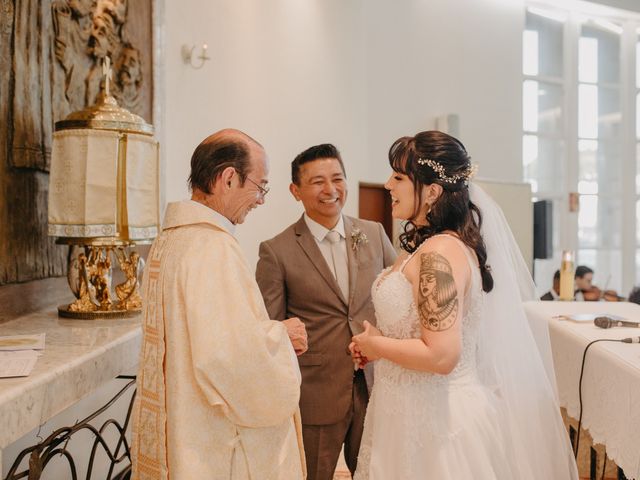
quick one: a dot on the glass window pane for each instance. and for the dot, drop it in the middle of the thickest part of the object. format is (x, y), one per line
(588, 111)
(530, 106)
(599, 112)
(530, 52)
(638, 222)
(588, 60)
(608, 51)
(544, 164)
(543, 271)
(609, 114)
(586, 257)
(638, 115)
(638, 170)
(638, 64)
(542, 107)
(588, 220)
(559, 205)
(549, 45)
(606, 265)
(599, 222)
(599, 167)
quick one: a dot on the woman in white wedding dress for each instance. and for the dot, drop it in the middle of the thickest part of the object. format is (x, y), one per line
(461, 391)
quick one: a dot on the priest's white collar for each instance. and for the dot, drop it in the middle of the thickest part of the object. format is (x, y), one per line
(217, 217)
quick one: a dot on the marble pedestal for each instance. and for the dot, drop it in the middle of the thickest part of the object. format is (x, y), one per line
(80, 356)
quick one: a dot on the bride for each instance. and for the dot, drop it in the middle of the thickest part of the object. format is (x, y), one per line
(461, 390)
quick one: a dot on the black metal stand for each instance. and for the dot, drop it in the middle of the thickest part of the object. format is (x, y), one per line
(55, 444)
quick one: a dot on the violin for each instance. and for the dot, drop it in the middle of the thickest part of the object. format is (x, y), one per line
(595, 294)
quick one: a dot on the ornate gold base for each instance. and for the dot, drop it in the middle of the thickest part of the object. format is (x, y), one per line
(63, 311)
(90, 275)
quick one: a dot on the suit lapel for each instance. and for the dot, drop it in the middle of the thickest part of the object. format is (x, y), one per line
(309, 246)
(352, 256)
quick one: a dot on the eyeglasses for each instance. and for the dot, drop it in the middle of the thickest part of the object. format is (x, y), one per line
(262, 190)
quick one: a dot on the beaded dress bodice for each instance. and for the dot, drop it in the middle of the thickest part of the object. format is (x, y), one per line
(397, 317)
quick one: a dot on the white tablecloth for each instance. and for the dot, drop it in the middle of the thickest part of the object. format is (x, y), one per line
(611, 382)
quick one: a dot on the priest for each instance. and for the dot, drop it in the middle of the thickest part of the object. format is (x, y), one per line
(218, 383)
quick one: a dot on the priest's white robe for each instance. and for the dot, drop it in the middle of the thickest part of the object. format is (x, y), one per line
(218, 384)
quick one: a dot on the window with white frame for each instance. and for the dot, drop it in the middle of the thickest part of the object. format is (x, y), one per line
(577, 125)
(637, 175)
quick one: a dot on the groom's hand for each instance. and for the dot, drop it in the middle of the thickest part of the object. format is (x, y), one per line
(356, 356)
(297, 334)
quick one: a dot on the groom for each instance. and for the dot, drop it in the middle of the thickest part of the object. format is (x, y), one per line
(321, 269)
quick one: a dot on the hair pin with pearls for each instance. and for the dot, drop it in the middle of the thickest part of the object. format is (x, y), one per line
(465, 175)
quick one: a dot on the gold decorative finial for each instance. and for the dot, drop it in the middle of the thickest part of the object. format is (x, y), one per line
(107, 72)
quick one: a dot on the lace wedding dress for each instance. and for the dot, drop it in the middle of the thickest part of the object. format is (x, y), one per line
(496, 415)
(427, 426)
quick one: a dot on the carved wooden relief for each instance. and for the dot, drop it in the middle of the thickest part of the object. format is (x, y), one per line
(84, 32)
(50, 66)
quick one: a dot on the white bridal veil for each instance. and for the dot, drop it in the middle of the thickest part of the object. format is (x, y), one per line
(514, 358)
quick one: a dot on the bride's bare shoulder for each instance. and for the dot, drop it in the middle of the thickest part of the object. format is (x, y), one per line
(446, 246)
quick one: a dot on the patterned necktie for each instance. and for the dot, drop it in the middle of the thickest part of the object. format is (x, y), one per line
(340, 262)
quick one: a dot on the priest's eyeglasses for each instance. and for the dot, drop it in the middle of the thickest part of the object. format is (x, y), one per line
(262, 191)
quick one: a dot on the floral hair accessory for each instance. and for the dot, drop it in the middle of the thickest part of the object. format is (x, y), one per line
(358, 237)
(437, 167)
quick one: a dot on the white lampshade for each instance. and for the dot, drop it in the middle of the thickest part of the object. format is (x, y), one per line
(104, 177)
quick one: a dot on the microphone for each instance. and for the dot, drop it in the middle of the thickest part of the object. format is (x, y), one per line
(607, 322)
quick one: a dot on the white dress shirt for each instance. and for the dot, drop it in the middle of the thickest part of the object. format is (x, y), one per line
(319, 233)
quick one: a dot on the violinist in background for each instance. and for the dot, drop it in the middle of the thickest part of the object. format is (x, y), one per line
(634, 295)
(584, 287)
(586, 291)
(554, 293)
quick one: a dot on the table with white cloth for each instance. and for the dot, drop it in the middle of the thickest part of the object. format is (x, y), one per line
(611, 380)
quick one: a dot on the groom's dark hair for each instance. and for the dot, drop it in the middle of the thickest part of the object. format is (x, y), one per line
(317, 152)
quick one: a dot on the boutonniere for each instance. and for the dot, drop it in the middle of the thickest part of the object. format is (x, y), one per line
(358, 237)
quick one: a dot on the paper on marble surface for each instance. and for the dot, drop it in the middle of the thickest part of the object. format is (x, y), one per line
(22, 342)
(588, 317)
(17, 363)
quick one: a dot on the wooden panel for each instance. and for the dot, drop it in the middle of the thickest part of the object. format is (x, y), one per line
(50, 53)
(21, 299)
(375, 204)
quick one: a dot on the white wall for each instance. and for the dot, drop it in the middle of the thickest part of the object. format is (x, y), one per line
(357, 73)
(429, 58)
(290, 73)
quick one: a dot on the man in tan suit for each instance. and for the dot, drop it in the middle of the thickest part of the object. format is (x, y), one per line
(321, 269)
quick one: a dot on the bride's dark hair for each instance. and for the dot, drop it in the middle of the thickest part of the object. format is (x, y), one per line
(453, 210)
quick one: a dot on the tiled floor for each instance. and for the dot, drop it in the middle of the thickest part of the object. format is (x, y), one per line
(342, 472)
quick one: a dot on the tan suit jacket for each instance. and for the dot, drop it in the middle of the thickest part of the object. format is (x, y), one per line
(296, 281)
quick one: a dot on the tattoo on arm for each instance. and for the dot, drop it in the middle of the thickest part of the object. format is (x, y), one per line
(437, 293)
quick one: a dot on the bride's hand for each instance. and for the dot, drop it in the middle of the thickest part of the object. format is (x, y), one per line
(365, 341)
(357, 357)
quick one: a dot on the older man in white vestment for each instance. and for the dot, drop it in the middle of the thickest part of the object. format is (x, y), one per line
(218, 384)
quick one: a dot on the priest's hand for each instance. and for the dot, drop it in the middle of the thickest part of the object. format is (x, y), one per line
(297, 334)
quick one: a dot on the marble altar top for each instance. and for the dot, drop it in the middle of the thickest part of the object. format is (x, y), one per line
(79, 356)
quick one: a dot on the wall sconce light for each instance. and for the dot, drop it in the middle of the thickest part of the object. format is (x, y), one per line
(188, 57)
